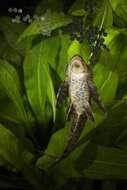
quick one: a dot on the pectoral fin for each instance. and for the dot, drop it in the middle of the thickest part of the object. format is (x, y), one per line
(96, 96)
(62, 92)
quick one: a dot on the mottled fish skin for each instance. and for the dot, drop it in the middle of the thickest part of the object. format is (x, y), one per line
(79, 92)
(75, 134)
(79, 87)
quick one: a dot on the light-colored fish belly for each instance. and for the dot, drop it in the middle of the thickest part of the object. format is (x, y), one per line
(79, 94)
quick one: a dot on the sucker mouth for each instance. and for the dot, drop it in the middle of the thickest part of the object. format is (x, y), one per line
(77, 71)
(77, 65)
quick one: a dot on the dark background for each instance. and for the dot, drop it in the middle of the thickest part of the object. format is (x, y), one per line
(26, 5)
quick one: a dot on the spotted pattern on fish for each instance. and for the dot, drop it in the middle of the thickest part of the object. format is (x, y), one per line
(79, 93)
(79, 87)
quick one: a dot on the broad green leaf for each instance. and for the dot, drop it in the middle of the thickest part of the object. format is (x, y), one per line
(38, 81)
(9, 49)
(74, 49)
(63, 56)
(110, 85)
(10, 94)
(55, 148)
(54, 53)
(13, 54)
(119, 53)
(102, 162)
(58, 174)
(114, 126)
(104, 17)
(11, 32)
(120, 9)
(85, 51)
(7, 52)
(111, 69)
(91, 161)
(88, 160)
(46, 24)
(9, 147)
(78, 8)
(112, 33)
(106, 74)
(12, 151)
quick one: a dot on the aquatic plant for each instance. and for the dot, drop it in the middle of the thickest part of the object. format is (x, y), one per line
(33, 57)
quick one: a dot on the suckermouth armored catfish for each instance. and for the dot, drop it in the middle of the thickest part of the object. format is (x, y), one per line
(80, 89)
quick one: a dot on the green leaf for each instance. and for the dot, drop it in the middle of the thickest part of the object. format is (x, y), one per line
(10, 94)
(77, 9)
(114, 126)
(91, 161)
(54, 53)
(55, 148)
(85, 51)
(46, 24)
(106, 74)
(74, 48)
(38, 81)
(11, 32)
(110, 72)
(102, 162)
(63, 56)
(9, 54)
(12, 150)
(104, 17)
(9, 147)
(120, 9)
(112, 33)
(119, 53)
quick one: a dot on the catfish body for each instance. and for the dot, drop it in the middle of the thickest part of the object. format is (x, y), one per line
(80, 89)
(78, 76)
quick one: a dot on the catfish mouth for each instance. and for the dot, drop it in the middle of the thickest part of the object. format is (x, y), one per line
(77, 68)
(76, 65)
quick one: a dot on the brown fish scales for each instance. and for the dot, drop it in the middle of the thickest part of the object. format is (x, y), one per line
(79, 87)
